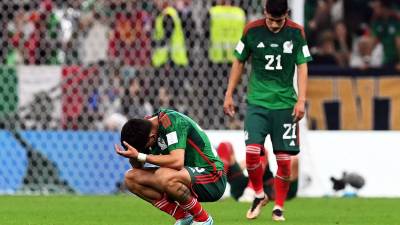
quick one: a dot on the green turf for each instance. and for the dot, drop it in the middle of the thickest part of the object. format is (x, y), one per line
(128, 210)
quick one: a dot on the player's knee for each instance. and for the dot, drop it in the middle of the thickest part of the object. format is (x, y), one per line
(171, 185)
(131, 180)
(283, 168)
(164, 176)
(252, 156)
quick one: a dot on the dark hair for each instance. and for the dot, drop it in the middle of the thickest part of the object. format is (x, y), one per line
(136, 133)
(276, 8)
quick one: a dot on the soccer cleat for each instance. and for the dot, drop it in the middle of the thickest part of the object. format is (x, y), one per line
(277, 214)
(209, 221)
(187, 220)
(255, 209)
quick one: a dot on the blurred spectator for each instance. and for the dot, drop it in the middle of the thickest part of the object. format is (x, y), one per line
(320, 20)
(133, 101)
(164, 98)
(11, 50)
(342, 43)
(37, 34)
(67, 17)
(49, 37)
(251, 7)
(184, 8)
(130, 42)
(168, 37)
(386, 29)
(337, 11)
(93, 37)
(365, 55)
(93, 110)
(357, 13)
(77, 88)
(114, 118)
(225, 23)
(24, 36)
(325, 54)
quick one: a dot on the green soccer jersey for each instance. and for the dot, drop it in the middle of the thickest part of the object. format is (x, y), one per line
(178, 131)
(273, 60)
(387, 31)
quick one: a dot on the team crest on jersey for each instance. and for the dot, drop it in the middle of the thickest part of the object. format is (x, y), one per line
(161, 143)
(288, 47)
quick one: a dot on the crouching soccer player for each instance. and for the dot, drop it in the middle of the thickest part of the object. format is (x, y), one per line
(188, 171)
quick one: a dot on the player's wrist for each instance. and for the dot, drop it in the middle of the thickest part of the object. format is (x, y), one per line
(303, 100)
(142, 157)
(228, 94)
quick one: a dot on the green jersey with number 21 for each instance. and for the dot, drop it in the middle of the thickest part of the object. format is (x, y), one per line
(273, 60)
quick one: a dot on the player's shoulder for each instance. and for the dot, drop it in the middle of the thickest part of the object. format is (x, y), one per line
(253, 25)
(170, 118)
(293, 25)
(165, 117)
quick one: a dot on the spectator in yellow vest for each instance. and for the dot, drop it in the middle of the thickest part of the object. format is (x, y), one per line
(225, 23)
(168, 37)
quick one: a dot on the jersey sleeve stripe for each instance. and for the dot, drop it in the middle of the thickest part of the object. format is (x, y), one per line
(202, 154)
(253, 24)
(294, 25)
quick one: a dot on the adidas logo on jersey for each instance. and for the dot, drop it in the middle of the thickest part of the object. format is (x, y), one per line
(260, 45)
(292, 143)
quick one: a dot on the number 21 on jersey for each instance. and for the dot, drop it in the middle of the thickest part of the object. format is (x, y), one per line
(273, 62)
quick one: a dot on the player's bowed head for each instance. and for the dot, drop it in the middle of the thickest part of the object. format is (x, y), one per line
(136, 138)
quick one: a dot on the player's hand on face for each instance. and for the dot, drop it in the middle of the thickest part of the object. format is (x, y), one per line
(298, 111)
(131, 152)
(229, 106)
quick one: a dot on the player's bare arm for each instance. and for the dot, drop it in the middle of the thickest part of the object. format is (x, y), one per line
(234, 78)
(302, 77)
(174, 160)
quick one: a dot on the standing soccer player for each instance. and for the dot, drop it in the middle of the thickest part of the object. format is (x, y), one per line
(188, 171)
(275, 45)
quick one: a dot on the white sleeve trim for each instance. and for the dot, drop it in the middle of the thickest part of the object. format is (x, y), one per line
(306, 51)
(240, 47)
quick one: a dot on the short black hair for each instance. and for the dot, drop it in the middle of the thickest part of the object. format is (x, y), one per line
(136, 133)
(276, 8)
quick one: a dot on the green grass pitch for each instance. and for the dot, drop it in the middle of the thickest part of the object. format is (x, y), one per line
(129, 210)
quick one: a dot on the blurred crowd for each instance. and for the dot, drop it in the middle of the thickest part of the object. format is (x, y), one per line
(359, 34)
(182, 47)
(352, 33)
